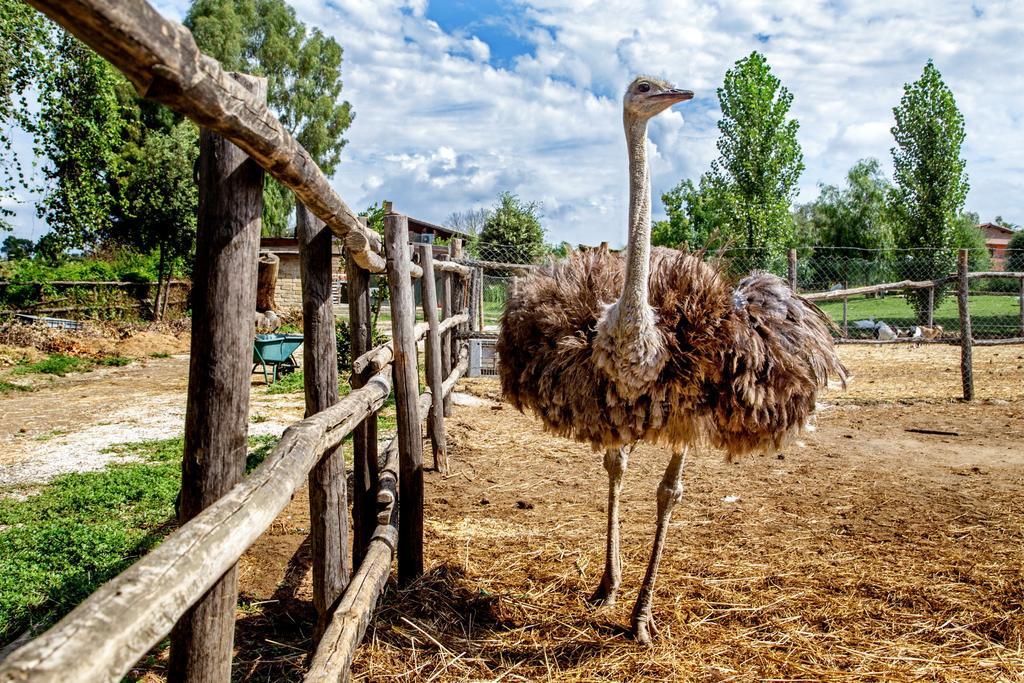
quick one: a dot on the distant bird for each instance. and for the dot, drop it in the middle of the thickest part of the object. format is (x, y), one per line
(659, 348)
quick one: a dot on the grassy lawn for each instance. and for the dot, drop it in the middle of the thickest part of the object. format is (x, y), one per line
(61, 364)
(60, 544)
(990, 315)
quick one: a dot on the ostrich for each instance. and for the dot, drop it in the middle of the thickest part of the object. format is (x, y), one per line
(658, 348)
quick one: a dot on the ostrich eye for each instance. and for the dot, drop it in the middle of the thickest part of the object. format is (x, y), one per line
(644, 87)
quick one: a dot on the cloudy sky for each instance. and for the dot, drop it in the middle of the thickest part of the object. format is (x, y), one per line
(458, 100)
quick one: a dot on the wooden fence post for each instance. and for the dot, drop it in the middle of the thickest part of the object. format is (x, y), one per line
(459, 288)
(966, 367)
(846, 326)
(449, 334)
(328, 499)
(931, 307)
(792, 269)
(410, 441)
(1022, 307)
(217, 412)
(364, 437)
(476, 299)
(435, 416)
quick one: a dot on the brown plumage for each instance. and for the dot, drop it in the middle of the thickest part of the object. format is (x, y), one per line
(656, 346)
(743, 370)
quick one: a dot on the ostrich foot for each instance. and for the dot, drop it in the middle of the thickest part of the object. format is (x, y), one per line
(606, 593)
(644, 628)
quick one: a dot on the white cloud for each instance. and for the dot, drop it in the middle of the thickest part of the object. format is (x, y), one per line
(440, 128)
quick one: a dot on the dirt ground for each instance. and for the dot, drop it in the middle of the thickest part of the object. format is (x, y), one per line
(887, 545)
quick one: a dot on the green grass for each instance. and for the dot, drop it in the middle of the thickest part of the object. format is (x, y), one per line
(990, 315)
(59, 545)
(160, 355)
(287, 384)
(114, 361)
(57, 364)
(9, 387)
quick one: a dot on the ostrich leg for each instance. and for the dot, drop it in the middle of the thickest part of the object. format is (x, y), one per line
(670, 492)
(615, 460)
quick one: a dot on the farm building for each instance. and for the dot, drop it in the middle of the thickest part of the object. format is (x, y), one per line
(997, 238)
(288, 293)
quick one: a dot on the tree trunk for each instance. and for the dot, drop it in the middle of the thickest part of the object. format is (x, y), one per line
(266, 281)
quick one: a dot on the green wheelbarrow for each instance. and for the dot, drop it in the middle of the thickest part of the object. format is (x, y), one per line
(275, 351)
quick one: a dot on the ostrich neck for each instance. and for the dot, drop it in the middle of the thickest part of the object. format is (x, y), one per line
(633, 301)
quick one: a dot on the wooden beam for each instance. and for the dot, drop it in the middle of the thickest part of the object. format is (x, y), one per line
(328, 498)
(162, 61)
(435, 417)
(835, 294)
(102, 638)
(447, 353)
(410, 441)
(995, 274)
(217, 411)
(379, 357)
(498, 265)
(966, 364)
(364, 438)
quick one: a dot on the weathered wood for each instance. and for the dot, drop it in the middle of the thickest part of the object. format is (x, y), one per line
(328, 501)
(966, 364)
(931, 306)
(846, 326)
(217, 410)
(981, 274)
(480, 299)
(446, 266)
(361, 247)
(162, 61)
(791, 263)
(410, 442)
(835, 294)
(459, 288)
(447, 352)
(474, 313)
(899, 340)
(266, 281)
(998, 342)
(435, 417)
(364, 438)
(381, 356)
(498, 265)
(102, 638)
(1022, 306)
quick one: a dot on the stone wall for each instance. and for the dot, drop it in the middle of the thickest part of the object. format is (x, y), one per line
(288, 294)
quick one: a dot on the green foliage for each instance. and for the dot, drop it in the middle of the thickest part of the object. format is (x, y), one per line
(24, 59)
(854, 217)
(751, 184)
(1015, 253)
(931, 181)
(303, 71)
(58, 546)
(290, 383)
(965, 234)
(512, 222)
(11, 387)
(57, 364)
(677, 230)
(375, 217)
(118, 265)
(17, 248)
(79, 130)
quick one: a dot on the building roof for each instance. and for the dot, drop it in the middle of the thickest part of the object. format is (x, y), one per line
(418, 226)
(996, 230)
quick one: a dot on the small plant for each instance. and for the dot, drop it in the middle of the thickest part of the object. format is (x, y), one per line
(287, 384)
(257, 418)
(114, 361)
(10, 387)
(343, 339)
(58, 364)
(160, 355)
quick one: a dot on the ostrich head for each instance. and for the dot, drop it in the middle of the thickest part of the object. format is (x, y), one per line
(647, 96)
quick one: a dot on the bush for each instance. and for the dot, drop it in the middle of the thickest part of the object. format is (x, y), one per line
(343, 339)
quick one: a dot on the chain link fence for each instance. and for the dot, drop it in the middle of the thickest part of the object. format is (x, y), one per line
(995, 304)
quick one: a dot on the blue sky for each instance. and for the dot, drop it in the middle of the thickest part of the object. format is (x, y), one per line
(456, 101)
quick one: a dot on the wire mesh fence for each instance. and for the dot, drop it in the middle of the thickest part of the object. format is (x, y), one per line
(995, 304)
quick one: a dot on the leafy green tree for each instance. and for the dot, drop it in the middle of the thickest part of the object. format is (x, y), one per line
(1015, 253)
(24, 59)
(17, 248)
(855, 217)
(512, 232)
(931, 181)
(753, 181)
(999, 220)
(303, 71)
(967, 235)
(676, 230)
(78, 131)
(160, 197)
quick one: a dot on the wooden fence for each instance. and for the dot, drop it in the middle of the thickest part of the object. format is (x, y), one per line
(187, 585)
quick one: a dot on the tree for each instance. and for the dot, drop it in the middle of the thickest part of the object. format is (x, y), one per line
(303, 71)
(676, 230)
(999, 220)
(17, 248)
(753, 181)
(855, 217)
(1015, 253)
(965, 234)
(470, 222)
(78, 130)
(160, 199)
(931, 181)
(512, 232)
(24, 56)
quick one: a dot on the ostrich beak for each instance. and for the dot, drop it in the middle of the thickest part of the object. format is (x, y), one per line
(675, 95)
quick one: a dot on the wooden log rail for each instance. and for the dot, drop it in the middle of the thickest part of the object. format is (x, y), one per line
(351, 618)
(112, 629)
(835, 294)
(381, 356)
